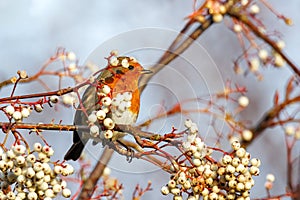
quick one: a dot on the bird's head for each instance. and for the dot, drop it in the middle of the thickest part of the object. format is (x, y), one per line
(126, 66)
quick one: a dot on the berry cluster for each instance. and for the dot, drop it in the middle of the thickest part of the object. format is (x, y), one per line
(265, 57)
(229, 178)
(18, 112)
(115, 107)
(217, 10)
(292, 131)
(113, 110)
(31, 175)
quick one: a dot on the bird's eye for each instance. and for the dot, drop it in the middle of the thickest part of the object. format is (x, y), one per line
(131, 67)
(119, 72)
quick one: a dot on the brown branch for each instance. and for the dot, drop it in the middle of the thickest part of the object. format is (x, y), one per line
(267, 118)
(45, 94)
(289, 166)
(90, 184)
(32, 126)
(244, 19)
(171, 53)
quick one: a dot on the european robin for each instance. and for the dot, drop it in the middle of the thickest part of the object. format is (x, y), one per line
(113, 98)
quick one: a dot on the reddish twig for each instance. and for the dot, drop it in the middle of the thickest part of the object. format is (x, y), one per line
(244, 19)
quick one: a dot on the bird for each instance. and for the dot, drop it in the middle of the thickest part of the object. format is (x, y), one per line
(114, 98)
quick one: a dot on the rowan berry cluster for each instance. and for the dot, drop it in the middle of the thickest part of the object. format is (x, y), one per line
(292, 131)
(116, 107)
(217, 10)
(259, 54)
(229, 178)
(31, 175)
(256, 55)
(110, 108)
(20, 111)
(265, 56)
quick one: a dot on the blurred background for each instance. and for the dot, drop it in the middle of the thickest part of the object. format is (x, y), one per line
(32, 30)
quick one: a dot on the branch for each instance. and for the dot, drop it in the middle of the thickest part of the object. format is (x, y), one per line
(45, 94)
(267, 118)
(164, 60)
(171, 53)
(90, 184)
(244, 19)
(32, 126)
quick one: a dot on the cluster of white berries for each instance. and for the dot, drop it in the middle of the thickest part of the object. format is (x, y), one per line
(114, 61)
(264, 57)
(112, 110)
(202, 176)
(19, 112)
(217, 10)
(291, 131)
(31, 176)
(116, 107)
(121, 103)
(101, 115)
(193, 144)
(70, 60)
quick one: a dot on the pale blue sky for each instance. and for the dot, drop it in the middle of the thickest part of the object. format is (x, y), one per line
(32, 30)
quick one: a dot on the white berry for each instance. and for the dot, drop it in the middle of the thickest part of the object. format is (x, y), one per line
(105, 89)
(100, 114)
(54, 99)
(10, 109)
(165, 190)
(92, 118)
(127, 96)
(270, 177)
(106, 101)
(247, 135)
(25, 112)
(37, 147)
(38, 108)
(243, 101)
(108, 134)
(66, 193)
(237, 28)
(254, 9)
(71, 56)
(108, 123)
(125, 63)
(17, 115)
(263, 54)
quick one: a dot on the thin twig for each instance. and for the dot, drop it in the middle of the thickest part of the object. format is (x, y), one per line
(44, 94)
(268, 117)
(244, 19)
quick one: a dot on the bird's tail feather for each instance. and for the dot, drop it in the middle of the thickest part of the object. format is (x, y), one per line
(75, 151)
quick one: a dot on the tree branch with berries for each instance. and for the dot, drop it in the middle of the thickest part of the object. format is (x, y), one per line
(198, 170)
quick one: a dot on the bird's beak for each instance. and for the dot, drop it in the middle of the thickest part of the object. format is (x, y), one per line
(146, 71)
